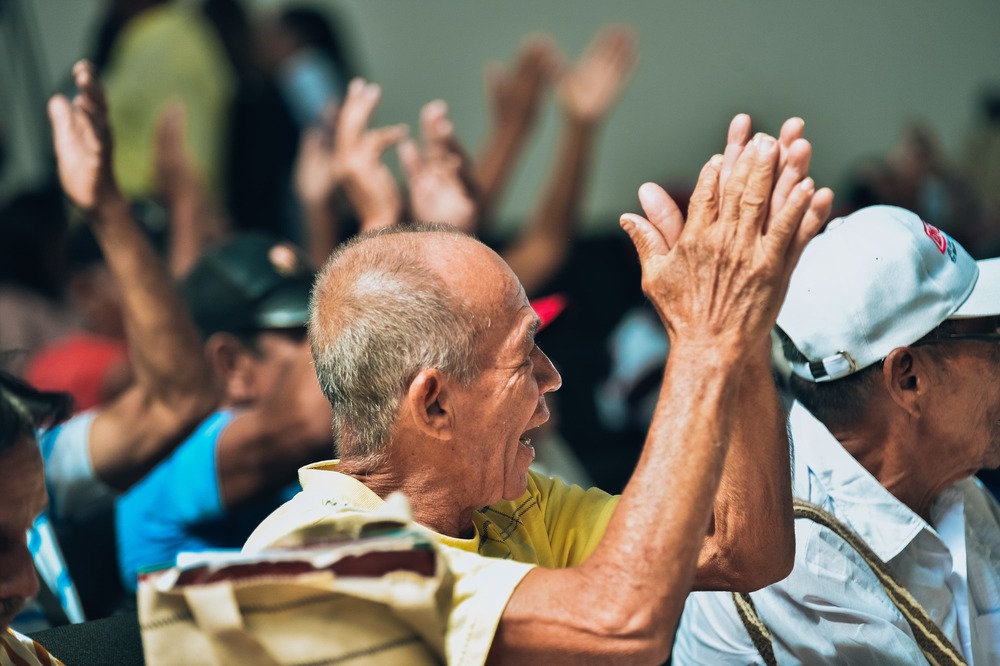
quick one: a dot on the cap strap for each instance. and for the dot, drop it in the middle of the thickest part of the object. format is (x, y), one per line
(826, 370)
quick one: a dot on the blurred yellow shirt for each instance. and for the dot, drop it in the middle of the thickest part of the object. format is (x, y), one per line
(169, 52)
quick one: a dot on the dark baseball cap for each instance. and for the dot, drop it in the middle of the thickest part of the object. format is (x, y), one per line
(252, 282)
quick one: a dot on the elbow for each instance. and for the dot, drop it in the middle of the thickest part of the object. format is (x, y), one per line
(744, 565)
(635, 636)
(187, 410)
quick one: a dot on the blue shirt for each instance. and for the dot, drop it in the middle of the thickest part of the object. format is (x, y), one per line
(178, 507)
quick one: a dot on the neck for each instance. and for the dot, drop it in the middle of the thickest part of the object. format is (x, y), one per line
(428, 493)
(892, 464)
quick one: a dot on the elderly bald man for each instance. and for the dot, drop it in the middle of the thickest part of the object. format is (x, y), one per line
(423, 341)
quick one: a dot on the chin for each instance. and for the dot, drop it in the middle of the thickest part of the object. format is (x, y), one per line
(518, 490)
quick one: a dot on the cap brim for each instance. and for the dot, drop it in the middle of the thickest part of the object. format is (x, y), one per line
(984, 301)
(285, 307)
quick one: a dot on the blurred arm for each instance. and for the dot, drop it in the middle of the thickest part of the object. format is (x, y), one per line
(173, 387)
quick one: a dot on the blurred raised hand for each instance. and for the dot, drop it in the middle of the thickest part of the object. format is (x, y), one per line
(194, 220)
(439, 173)
(514, 95)
(586, 92)
(588, 88)
(357, 151)
(173, 388)
(83, 142)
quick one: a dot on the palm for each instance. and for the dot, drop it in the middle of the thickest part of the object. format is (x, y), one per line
(588, 90)
(83, 141)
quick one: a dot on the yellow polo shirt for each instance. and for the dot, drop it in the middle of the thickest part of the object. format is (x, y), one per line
(552, 525)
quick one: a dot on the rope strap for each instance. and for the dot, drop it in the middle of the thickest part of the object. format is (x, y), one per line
(936, 647)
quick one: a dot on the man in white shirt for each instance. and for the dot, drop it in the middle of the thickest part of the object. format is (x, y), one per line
(891, 332)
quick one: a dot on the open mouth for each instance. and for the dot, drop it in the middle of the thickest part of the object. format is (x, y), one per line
(525, 441)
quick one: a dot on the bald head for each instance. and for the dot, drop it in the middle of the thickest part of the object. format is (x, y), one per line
(388, 305)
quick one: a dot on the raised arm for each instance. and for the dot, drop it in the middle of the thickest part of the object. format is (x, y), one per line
(173, 388)
(717, 282)
(317, 179)
(514, 96)
(586, 93)
(194, 220)
(750, 541)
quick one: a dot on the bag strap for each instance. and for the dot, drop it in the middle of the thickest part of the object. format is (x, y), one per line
(937, 649)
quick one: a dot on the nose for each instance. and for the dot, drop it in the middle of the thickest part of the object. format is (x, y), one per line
(546, 375)
(17, 573)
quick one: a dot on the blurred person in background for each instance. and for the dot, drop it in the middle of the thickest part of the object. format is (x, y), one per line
(99, 453)
(33, 303)
(249, 297)
(153, 52)
(22, 412)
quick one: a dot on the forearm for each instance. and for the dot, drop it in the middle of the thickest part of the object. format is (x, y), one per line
(498, 156)
(543, 246)
(186, 237)
(173, 389)
(751, 539)
(321, 230)
(624, 602)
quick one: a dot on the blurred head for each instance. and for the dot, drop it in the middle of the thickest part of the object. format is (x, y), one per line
(884, 309)
(22, 410)
(423, 333)
(250, 298)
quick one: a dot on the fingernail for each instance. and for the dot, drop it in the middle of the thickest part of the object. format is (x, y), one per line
(716, 160)
(807, 184)
(763, 142)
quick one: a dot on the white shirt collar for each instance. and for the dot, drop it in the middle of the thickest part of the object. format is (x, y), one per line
(827, 475)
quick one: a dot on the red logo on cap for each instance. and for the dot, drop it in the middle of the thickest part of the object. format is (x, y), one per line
(935, 235)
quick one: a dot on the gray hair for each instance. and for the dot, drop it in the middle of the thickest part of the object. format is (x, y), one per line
(378, 316)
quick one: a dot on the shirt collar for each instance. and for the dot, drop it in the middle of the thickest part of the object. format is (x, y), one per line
(827, 475)
(323, 477)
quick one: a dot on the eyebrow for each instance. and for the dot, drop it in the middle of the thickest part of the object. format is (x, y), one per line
(529, 337)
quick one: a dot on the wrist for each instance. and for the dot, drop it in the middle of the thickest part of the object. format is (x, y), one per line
(579, 124)
(110, 204)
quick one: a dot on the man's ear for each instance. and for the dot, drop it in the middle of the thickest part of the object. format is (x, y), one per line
(233, 366)
(905, 379)
(429, 400)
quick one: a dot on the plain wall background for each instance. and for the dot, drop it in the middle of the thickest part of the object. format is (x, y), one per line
(855, 70)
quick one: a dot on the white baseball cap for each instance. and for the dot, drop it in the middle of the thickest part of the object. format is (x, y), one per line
(879, 279)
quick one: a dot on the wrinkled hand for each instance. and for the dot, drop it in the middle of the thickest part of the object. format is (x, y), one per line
(442, 187)
(515, 93)
(317, 171)
(83, 143)
(368, 182)
(587, 90)
(718, 280)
